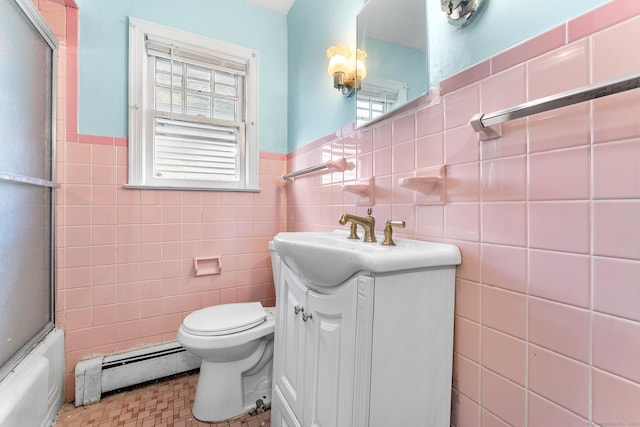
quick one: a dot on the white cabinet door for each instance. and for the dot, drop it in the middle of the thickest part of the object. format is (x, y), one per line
(281, 413)
(290, 341)
(330, 352)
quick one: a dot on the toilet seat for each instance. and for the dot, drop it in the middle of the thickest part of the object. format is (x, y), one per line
(224, 319)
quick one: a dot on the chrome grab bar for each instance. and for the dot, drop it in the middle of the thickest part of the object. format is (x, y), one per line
(488, 125)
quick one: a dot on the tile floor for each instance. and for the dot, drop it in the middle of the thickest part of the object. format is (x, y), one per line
(163, 404)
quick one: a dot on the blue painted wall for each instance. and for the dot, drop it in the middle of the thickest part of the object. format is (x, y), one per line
(501, 25)
(103, 57)
(297, 102)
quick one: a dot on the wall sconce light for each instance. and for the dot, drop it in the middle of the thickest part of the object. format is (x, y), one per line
(460, 13)
(347, 71)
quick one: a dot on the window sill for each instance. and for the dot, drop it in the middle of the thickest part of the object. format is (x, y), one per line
(155, 187)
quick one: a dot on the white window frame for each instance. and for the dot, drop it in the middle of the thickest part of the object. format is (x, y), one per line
(141, 99)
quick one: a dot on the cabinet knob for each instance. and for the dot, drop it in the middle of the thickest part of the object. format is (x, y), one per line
(306, 317)
(298, 308)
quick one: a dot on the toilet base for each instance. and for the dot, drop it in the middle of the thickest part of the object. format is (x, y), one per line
(220, 393)
(212, 402)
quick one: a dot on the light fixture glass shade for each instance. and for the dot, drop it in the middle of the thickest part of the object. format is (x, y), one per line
(337, 64)
(346, 69)
(338, 55)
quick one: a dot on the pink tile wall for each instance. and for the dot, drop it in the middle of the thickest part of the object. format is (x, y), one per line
(127, 275)
(546, 217)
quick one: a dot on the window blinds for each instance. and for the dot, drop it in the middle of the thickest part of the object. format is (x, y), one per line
(186, 150)
(198, 112)
(158, 46)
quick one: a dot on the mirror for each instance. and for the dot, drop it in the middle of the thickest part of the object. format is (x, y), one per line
(393, 35)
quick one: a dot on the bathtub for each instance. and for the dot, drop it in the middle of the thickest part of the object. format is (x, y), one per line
(31, 394)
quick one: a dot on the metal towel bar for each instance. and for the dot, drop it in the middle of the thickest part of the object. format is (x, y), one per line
(489, 125)
(340, 166)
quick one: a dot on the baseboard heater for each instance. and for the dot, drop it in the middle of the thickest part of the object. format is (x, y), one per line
(107, 373)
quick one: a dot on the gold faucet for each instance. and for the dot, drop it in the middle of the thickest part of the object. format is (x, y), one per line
(368, 224)
(388, 231)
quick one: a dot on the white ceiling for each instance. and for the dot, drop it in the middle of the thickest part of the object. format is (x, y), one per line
(401, 22)
(280, 6)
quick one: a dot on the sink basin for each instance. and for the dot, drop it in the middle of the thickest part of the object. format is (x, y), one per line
(327, 259)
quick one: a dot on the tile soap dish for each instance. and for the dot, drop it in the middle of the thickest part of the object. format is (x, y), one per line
(207, 265)
(428, 182)
(363, 188)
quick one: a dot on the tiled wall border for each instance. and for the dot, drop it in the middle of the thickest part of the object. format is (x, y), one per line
(591, 22)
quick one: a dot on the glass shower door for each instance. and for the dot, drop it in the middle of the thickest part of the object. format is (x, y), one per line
(27, 141)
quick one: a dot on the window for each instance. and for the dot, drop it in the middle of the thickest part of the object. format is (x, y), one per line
(377, 97)
(192, 111)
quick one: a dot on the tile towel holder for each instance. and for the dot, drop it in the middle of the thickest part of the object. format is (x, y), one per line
(489, 126)
(339, 165)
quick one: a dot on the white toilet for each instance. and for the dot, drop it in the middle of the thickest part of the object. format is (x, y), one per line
(235, 343)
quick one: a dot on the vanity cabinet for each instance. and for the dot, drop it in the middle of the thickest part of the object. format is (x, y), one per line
(375, 350)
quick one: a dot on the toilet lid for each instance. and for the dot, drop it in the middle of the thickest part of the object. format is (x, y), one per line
(225, 319)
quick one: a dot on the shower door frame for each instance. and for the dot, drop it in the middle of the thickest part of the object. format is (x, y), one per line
(40, 26)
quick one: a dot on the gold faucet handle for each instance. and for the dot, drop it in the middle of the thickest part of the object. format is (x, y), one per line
(388, 231)
(399, 224)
